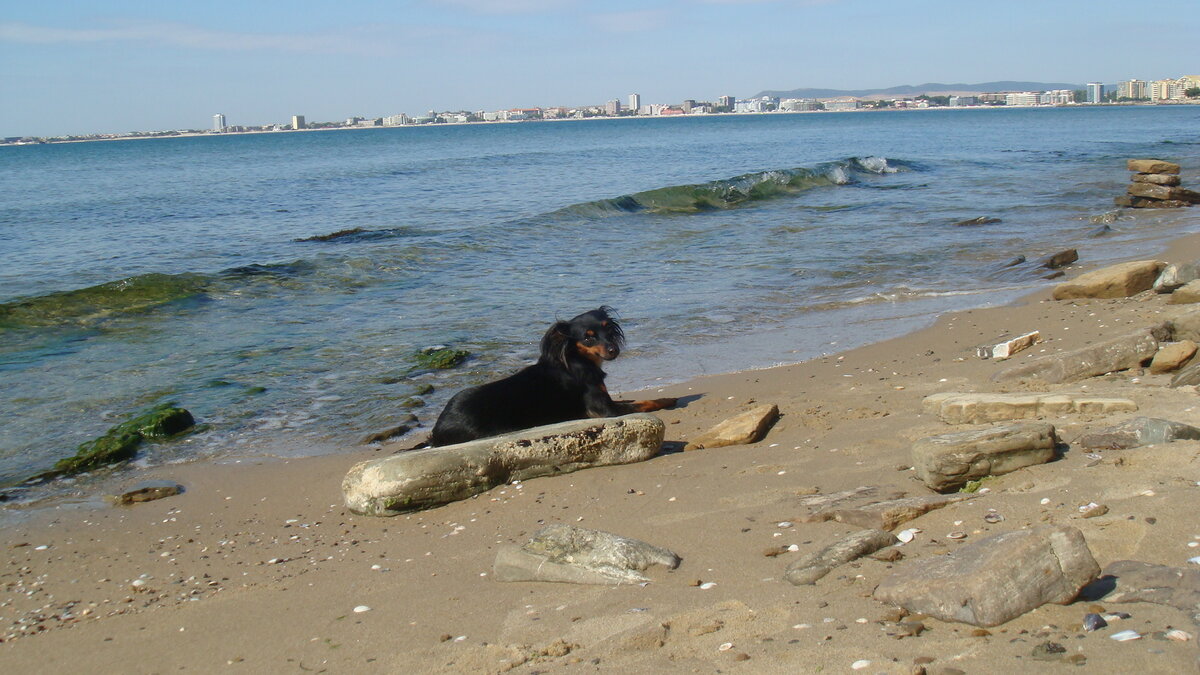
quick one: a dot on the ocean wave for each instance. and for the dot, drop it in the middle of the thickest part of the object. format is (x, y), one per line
(728, 193)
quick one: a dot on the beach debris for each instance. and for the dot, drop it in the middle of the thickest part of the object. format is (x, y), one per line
(1125, 636)
(885, 514)
(1115, 281)
(959, 408)
(996, 579)
(1093, 621)
(1108, 356)
(1176, 355)
(748, 427)
(433, 476)
(949, 461)
(1138, 432)
(1092, 510)
(1007, 348)
(569, 554)
(814, 566)
(146, 491)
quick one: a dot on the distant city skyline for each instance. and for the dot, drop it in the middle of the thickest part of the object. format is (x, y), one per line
(124, 65)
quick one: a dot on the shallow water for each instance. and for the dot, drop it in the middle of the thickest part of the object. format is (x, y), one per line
(139, 272)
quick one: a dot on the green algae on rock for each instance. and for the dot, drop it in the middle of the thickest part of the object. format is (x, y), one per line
(93, 303)
(122, 441)
(440, 357)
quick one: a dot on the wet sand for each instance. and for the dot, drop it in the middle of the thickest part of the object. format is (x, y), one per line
(258, 567)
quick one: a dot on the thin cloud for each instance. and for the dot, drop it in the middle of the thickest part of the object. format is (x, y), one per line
(182, 35)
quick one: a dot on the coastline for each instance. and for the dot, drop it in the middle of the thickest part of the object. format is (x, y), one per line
(258, 565)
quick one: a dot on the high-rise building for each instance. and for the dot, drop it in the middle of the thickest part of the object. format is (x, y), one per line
(218, 122)
(613, 107)
(1131, 89)
(297, 121)
(635, 103)
(1095, 92)
(726, 102)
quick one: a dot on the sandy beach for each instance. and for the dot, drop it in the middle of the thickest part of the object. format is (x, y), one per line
(258, 566)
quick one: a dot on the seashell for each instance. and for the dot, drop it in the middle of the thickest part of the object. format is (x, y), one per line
(1178, 635)
(361, 608)
(1195, 561)
(725, 646)
(707, 585)
(1126, 636)
(786, 523)
(1045, 500)
(906, 536)
(992, 517)
(1115, 616)
(957, 535)
(1093, 622)
(860, 664)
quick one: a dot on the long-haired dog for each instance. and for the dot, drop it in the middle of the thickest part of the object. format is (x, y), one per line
(565, 384)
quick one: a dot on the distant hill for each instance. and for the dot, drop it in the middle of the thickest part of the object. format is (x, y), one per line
(931, 88)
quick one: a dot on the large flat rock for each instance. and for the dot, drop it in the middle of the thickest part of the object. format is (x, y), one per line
(748, 427)
(1112, 355)
(1117, 281)
(955, 408)
(430, 477)
(949, 461)
(1152, 166)
(997, 579)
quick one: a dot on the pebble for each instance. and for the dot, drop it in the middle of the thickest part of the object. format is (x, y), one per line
(1126, 636)
(1093, 622)
(361, 608)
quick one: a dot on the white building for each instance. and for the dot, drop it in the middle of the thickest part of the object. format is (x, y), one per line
(219, 122)
(396, 120)
(1022, 98)
(799, 104)
(842, 105)
(298, 121)
(1095, 92)
(1131, 89)
(635, 102)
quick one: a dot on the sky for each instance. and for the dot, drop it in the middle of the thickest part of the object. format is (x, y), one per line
(110, 66)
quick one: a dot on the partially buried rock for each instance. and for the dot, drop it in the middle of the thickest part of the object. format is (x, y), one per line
(1118, 281)
(569, 554)
(956, 408)
(1186, 294)
(996, 579)
(1137, 581)
(1138, 432)
(810, 568)
(749, 427)
(1112, 355)
(949, 461)
(889, 513)
(1060, 259)
(122, 441)
(146, 492)
(1172, 357)
(433, 476)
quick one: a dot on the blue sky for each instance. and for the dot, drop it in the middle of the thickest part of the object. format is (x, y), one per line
(123, 65)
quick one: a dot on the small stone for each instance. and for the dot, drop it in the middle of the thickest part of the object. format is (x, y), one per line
(1092, 510)
(980, 632)
(1093, 621)
(1076, 659)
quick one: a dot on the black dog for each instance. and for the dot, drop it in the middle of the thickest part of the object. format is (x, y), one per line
(565, 384)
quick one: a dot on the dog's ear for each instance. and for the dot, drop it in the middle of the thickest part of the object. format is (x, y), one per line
(555, 343)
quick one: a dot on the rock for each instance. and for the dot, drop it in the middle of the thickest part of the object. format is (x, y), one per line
(810, 568)
(1138, 432)
(1144, 203)
(1151, 166)
(888, 514)
(146, 492)
(954, 408)
(433, 476)
(575, 555)
(1156, 178)
(122, 441)
(1060, 259)
(390, 432)
(1163, 192)
(1172, 357)
(1115, 354)
(749, 427)
(440, 357)
(981, 220)
(997, 579)
(818, 506)
(1117, 281)
(1175, 275)
(1186, 294)
(949, 461)
(1162, 585)
(1186, 327)
(1007, 348)
(1190, 375)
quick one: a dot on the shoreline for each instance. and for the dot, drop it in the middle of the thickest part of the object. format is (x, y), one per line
(200, 580)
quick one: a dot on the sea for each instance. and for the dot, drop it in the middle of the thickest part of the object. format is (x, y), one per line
(282, 286)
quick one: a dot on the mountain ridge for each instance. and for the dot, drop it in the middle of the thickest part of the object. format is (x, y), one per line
(931, 88)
